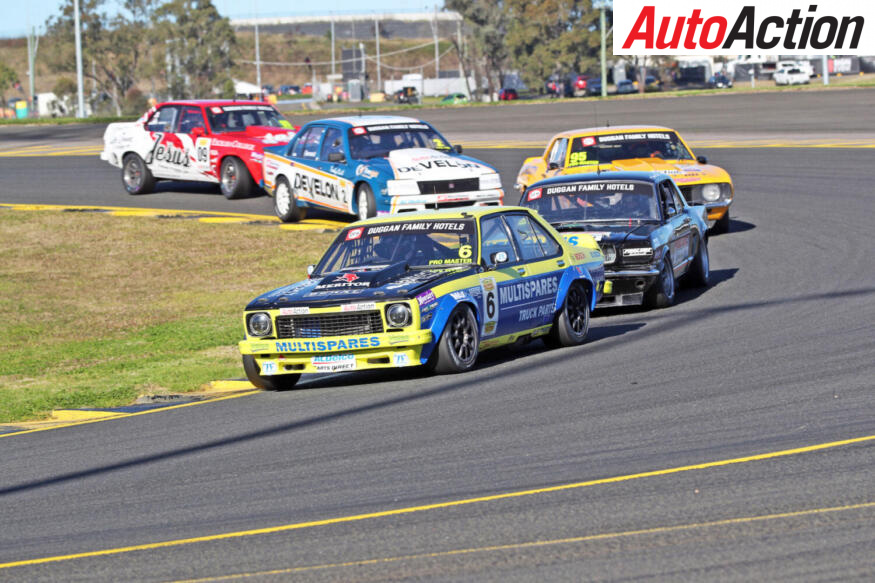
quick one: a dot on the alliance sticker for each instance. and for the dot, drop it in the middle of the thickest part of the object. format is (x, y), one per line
(334, 362)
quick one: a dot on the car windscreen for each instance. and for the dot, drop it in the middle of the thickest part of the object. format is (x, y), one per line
(592, 150)
(236, 118)
(376, 141)
(594, 201)
(430, 243)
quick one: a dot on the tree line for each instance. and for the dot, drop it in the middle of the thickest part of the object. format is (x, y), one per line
(537, 38)
(186, 42)
(189, 45)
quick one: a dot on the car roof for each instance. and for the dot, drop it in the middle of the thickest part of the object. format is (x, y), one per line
(456, 213)
(617, 175)
(369, 120)
(218, 102)
(600, 131)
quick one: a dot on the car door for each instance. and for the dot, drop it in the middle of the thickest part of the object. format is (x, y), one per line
(166, 157)
(191, 132)
(307, 176)
(679, 227)
(541, 260)
(498, 281)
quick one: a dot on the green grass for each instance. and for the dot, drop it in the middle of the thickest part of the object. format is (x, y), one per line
(64, 120)
(96, 310)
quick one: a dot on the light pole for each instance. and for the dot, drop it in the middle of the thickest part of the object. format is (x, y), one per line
(257, 51)
(602, 5)
(80, 112)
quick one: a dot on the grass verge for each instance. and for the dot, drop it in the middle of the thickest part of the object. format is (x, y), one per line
(96, 310)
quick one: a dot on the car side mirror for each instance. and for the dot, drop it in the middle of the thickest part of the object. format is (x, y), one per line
(553, 166)
(310, 270)
(701, 159)
(336, 157)
(498, 257)
(197, 132)
(458, 148)
(670, 211)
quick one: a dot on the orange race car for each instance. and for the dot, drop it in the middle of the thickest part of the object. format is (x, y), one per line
(636, 148)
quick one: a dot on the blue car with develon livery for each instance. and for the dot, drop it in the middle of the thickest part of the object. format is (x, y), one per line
(374, 165)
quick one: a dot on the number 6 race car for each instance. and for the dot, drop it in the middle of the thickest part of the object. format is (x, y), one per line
(374, 165)
(430, 288)
(203, 141)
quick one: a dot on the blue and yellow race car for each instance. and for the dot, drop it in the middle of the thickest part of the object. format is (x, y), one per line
(373, 166)
(427, 288)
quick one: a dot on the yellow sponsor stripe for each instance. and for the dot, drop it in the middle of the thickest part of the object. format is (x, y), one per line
(439, 505)
(97, 417)
(543, 543)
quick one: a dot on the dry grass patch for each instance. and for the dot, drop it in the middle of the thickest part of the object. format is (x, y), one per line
(95, 307)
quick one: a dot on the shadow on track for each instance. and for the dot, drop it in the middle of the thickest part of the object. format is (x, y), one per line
(671, 321)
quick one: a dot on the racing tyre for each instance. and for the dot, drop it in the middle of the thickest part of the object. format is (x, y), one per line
(366, 204)
(136, 176)
(721, 225)
(234, 178)
(700, 270)
(457, 349)
(662, 293)
(282, 382)
(285, 204)
(572, 322)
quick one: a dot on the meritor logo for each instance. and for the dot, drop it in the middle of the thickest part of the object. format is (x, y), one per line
(792, 32)
(349, 277)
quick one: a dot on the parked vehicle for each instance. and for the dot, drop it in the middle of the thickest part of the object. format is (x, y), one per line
(406, 95)
(719, 81)
(791, 77)
(508, 94)
(454, 99)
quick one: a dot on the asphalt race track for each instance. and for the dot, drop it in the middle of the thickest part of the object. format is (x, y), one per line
(730, 437)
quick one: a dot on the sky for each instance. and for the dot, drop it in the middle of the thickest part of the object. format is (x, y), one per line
(29, 13)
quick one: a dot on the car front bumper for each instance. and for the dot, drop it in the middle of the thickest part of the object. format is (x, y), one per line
(627, 286)
(327, 354)
(421, 202)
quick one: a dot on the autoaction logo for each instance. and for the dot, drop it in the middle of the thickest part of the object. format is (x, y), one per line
(739, 27)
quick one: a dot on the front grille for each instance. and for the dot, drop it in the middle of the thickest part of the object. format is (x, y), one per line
(448, 186)
(318, 326)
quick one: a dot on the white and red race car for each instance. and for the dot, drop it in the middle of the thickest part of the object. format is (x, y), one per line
(204, 141)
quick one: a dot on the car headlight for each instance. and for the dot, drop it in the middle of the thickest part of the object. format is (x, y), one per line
(610, 253)
(398, 315)
(490, 181)
(401, 187)
(259, 324)
(711, 192)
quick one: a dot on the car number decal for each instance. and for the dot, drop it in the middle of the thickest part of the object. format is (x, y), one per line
(490, 305)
